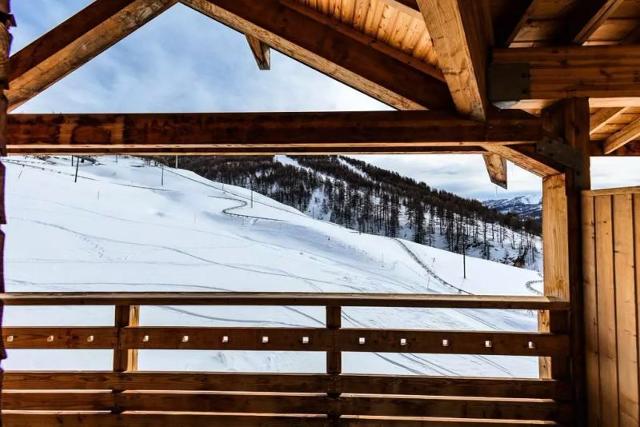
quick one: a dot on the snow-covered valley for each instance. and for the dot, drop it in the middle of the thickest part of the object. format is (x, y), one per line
(129, 226)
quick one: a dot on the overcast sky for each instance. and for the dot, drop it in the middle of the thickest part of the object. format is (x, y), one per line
(185, 62)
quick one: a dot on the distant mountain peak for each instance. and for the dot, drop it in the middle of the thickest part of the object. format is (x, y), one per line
(529, 206)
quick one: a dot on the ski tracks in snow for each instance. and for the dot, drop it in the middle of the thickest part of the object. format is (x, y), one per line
(429, 270)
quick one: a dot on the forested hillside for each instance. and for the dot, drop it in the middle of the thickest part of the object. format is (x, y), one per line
(369, 199)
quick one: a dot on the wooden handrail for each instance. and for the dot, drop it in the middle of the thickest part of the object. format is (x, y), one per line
(277, 298)
(124, 391)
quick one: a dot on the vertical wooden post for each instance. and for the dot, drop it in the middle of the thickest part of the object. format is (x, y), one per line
(6, 21)
(562, 241)
(334, 362)
(124, 360)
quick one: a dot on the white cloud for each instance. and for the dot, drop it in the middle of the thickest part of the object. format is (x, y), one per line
(183, 61)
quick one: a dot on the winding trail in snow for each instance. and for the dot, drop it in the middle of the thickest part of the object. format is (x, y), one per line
(243, 204)
(290, 210)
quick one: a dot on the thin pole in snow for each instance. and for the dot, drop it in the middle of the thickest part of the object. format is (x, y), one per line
(176, 162)
(464, 252)
(71, 161)
(162, 175)
(77, 165)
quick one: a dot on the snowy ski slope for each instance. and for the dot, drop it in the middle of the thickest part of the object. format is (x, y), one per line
(119, 229)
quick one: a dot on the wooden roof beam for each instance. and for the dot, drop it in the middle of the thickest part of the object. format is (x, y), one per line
(510, 22)
(103, 150)
(407, 6)
(551, 73)
(526, 157)
(601, 117)
(462, 35)
(521, 12)
(461, 39)
(335, 49)
(625, 135)
(386, 131)
(75, 42)
(261, 52)
(589, 15)
(630, 149)
(497, 168)
(581, 23)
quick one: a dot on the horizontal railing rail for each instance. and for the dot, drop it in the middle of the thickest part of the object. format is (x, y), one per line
(532, 388)
(287, 339)
(278, 298)
(118, 397)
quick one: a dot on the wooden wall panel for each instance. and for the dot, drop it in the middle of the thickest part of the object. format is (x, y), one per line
(607, 336)
(611, 228)
(591, 309)
(626, 309)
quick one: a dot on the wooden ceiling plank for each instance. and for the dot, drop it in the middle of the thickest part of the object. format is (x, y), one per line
(75, 42)
(462, 35)
(261, 52)
(622, 137)
(588, 17)
(335, 49)
(600, 118)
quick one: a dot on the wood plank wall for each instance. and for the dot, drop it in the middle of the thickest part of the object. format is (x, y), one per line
(611, 226)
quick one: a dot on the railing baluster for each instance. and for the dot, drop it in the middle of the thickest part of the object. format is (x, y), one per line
(124, 360)
(334, 364)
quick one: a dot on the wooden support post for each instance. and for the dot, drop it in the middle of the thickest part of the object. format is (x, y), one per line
(124, 360)
(6, 20)
(334, 362)
(562, 241)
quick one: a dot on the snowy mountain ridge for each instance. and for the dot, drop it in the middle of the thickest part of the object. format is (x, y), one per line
(372, 200)
(524, 205)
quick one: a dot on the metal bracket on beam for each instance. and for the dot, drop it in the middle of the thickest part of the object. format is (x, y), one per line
(508, 83)
(560, 152)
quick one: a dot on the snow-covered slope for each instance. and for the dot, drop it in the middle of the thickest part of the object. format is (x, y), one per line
(119, 229)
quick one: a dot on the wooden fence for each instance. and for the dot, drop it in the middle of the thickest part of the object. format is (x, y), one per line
(611, 225)
(126, 396)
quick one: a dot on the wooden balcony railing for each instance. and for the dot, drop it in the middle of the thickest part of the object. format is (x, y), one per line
(128, 397)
